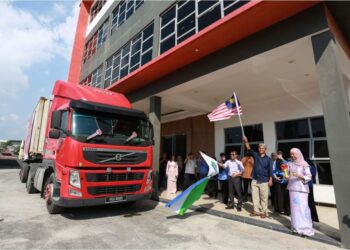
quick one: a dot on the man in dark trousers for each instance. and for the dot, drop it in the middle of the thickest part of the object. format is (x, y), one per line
(261, 179)
(235, 170)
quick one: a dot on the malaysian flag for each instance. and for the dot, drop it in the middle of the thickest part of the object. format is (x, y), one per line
(226, 110)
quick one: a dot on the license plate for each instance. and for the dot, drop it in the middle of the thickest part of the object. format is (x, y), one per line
(115, 199)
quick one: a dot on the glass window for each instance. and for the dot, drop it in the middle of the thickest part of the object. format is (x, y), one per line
(233, 135)
(324, 173)
(186, 25)
(168, 16)
(167, 30)
(230, 6)
(146, 57)
(185, 36)
(185, 10)
(285, 147)
(123, 11)
(209, 17)
(167, 44)
(205, 5)
(64, 123)
(237, 148)
(295, 129)
(318, 127)
(186, 20)
(321, 149)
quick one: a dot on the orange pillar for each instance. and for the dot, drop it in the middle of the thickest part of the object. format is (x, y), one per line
(79, 41)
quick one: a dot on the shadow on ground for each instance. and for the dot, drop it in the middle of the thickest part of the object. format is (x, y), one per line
(121, 209)
(9, 164)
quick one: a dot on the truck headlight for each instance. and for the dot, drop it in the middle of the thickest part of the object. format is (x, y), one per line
(74, 178)
(149, 177)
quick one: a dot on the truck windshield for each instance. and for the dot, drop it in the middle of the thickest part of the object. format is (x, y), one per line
(116, 129)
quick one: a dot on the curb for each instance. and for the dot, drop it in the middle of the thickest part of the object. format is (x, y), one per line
(263, 224)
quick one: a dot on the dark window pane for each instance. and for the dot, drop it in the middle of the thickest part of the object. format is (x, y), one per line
(292, 129)
(129, 13)
(115, 75)
(107, 83)
(136, 46)
(109, 63)
(148, 32)
(285, 147)
(123, 72)
(167, 17)
(318, 128)
(209, 18)
(324, 173)
(108, 72)
(148, 44)
(233, 135)
(234, 6)
(183, 38)
(146, 57)
(138, 3)
(122, 6)
(121, 18)
(321, 149)
(205, 4)
(254, 133)
(228, 149)
(166, 31)
(185, 10)
(135, 59)
(130, 4)
(125, 61)
(186, 25)
(167, 44)
(126, 49)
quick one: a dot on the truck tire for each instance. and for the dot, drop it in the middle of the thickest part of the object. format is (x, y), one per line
(30, 185)
(48, 193)
(23, 173)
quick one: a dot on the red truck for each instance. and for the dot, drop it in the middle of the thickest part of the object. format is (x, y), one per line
(87, 147)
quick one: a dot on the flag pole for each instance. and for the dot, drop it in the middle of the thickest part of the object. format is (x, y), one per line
(239, 113)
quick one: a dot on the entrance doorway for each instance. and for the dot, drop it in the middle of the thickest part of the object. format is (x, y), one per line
(175, 145)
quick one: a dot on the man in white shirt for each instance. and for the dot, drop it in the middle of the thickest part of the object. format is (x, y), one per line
(190, 171)
(235, 171)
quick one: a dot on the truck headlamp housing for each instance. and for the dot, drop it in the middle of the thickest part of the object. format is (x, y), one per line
(74, 178)
(149, 177)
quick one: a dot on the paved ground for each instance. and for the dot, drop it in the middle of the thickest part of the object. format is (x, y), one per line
(24, 223)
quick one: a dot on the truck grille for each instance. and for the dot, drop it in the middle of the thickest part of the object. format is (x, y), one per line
(113, 189)
(103, 177)
(108, 156)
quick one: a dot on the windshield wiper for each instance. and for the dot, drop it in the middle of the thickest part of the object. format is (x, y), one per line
(97, 133)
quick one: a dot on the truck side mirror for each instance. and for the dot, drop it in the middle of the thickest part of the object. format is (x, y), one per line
(54, 134)
(56, 119)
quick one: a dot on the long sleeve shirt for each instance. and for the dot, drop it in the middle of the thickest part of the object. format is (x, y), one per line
(295, 183)
(262, 170)
(234, 167)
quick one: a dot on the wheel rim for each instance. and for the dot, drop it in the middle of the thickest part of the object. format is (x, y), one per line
(48, 193)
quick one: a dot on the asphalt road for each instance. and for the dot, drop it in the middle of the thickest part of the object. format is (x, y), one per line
(24, 223)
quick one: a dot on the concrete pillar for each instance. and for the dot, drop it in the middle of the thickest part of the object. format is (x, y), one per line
(335, 106)
(154, 117)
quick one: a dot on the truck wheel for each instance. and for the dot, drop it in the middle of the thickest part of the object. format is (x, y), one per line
(30, 185)
(48, 194)
(23, 173)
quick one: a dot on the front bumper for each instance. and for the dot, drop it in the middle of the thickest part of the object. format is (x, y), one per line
(66, 202)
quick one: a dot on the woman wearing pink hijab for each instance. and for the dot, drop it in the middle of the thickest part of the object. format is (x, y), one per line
(299, 176)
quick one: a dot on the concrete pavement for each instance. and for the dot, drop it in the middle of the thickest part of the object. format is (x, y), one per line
(147, 224)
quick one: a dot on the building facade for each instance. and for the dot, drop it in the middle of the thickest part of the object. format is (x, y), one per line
(192, 55)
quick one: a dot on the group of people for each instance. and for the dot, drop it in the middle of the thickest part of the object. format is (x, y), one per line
(289, 182)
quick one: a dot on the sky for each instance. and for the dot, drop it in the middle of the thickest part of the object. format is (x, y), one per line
(36, 40)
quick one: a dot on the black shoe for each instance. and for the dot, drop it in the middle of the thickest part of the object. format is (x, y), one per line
(239, 209)
(229, 207)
